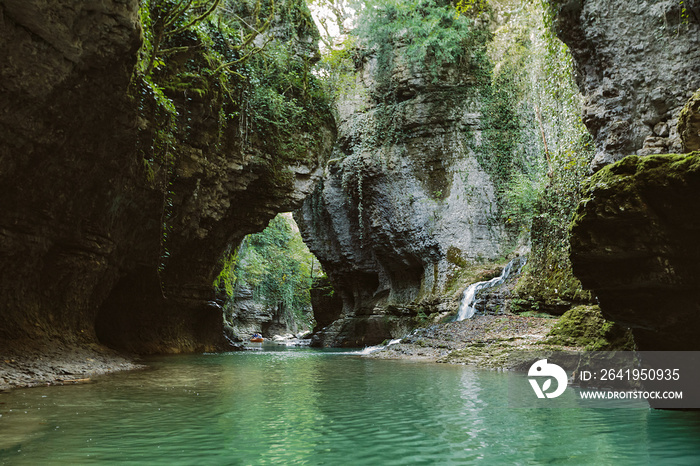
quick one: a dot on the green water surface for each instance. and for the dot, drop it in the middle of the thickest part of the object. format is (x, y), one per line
(307, 406)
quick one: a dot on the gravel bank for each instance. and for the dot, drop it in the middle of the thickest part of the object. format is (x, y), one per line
(31, 365)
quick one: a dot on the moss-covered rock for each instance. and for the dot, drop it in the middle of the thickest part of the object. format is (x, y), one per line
(634, 242)
(585, 326)
(689, 123)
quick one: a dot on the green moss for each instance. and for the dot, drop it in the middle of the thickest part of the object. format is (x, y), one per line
(550, 287)
(187, 83)
(689, 123)
(624, 178)
(466, 273)
(585, 326)
(649, 168)
(454, 256)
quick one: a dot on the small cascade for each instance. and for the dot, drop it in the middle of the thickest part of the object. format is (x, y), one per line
(372, 349)
(466, 307)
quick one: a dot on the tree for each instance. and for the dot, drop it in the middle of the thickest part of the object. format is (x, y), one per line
(277, 266)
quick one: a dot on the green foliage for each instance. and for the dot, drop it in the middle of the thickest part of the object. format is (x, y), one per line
(283, 100)
(277, 266)
(499, 156)
(523, 196)
(221, 64)
(471, 7)
(685, 16)
(429, 33)
(227, 278)
(421, 317)
(537, 150)
(433, 36)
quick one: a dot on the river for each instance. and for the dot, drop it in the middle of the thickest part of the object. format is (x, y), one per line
(306, 406)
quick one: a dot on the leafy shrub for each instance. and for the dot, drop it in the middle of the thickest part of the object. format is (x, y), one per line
(277, 266)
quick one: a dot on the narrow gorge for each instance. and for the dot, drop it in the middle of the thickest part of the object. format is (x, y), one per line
(349, 232)
(142, 141)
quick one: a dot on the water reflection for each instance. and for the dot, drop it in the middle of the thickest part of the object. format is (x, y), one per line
(310, 407)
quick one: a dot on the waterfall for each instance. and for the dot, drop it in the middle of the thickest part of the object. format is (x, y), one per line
(466, 307)
(372, 349)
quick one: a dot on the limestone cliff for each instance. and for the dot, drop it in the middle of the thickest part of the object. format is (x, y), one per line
(638, 64)
(404, 201)
(245, 315)
(114, 213)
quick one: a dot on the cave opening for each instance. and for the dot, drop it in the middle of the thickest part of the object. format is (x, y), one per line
(265, 285)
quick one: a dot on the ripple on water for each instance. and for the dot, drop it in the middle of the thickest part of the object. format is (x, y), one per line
(310, 407)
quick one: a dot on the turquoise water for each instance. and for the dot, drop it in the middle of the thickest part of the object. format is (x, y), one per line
(323, 407)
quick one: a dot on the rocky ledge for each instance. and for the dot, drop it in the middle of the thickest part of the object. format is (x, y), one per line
(634, 242)
(34, 364)
(493, 341)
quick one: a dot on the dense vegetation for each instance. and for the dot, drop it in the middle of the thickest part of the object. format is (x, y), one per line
(534, 145)
(556, 147)
(278, 267)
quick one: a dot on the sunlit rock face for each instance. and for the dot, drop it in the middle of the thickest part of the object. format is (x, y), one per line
(97, 243)
(634, 242)
(403, 200)
(637, 66)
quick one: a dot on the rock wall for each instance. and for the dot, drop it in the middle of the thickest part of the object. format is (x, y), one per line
(637, 66)
(398, 209)
(631, 244)
(325, 303)
(245, 315)
(634, 242)
(98, 243)
(67, 131)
